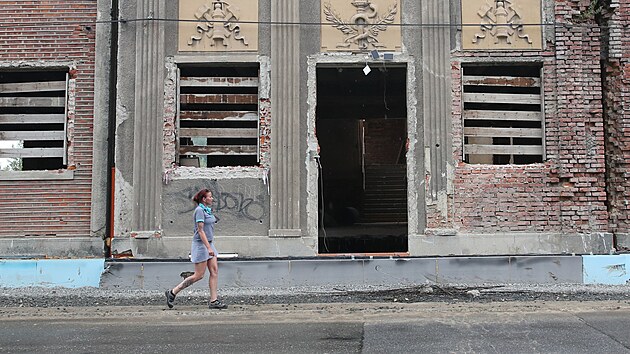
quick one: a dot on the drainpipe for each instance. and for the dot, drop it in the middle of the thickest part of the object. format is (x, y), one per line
(111, 128)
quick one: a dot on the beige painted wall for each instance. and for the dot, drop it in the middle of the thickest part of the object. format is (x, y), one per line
(348, 27)
(489, 26)
(218, 25)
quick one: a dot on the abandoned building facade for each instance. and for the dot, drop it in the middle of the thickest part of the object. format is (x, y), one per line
(322, 127)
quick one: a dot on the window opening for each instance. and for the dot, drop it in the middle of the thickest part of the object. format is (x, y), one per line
(218, 116)
(32, 120)
(503, 115)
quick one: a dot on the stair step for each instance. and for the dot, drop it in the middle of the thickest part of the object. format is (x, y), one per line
(385, 198)
(395, 208)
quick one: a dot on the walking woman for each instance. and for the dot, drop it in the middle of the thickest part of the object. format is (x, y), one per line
(202, 252)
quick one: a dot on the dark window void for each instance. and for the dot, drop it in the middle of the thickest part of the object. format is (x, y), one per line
(32, 119)
(218, 115)
(503, 114)
(361, 125)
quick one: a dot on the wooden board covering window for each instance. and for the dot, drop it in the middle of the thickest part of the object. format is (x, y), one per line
(32, 118)
(503, 116)
(218, 116)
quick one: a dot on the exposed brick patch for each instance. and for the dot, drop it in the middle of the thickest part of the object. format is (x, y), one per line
(617, 103)
(170, 112)
(566, 193)
(265, 132)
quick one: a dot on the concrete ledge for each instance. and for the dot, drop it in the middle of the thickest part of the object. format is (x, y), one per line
(64, 247)
(68, 273)
(325, 272)
(348, 272)
(623, 240)
(36, 175)
(510, 244)
(178, 247)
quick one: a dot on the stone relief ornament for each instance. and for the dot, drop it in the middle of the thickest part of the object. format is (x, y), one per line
(363, 28)
(219, 22)
(502, 19)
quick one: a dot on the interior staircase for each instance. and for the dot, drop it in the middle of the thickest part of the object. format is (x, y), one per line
(385, 195)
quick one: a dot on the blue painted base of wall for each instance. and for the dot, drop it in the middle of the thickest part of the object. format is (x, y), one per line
(603, 269)
(67, 273)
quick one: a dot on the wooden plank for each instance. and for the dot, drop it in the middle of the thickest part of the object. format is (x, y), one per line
(45, 86)
(31, 118)
(218, 82)
(31, 152)
(32, 102)
(219, 150)
(32, 135)
(509, 81)
(502, 115)
(219, 132)
(503, 132)
(513, 98)
(218, 98)
(503, 149)
(219, 115)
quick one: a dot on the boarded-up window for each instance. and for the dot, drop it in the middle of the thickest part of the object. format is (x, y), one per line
(218, 115)
(33, 106)
(503, 114)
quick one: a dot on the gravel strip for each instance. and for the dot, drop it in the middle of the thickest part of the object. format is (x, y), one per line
(91, 297)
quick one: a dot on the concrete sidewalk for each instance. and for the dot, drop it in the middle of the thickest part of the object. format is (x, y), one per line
(153, 274)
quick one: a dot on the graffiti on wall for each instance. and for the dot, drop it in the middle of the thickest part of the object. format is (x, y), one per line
(242, 201)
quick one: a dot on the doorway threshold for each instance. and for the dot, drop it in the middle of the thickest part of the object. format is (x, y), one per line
(365, 255)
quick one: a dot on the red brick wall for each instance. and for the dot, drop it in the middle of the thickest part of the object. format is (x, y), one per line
(55, 31)
(566, 193)
(384, 141)
(617, 101)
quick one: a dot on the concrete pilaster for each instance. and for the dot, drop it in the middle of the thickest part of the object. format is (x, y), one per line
(285, 110)
(436, 94)
(148, 120)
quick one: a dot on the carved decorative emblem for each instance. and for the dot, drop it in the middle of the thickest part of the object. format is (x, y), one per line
(219, 22)
(503, 20)
(363, 27)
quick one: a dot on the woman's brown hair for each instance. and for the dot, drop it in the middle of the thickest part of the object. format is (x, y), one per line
(199, 196)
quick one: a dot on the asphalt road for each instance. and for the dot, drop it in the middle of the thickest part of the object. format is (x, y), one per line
(493, 327)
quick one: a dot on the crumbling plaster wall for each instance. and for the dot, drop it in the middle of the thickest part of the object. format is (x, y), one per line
(409, 58)
(125, 103)
(565, 195)
(617, 110)
(241, 193)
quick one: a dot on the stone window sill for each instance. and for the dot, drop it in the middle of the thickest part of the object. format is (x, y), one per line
(36, 175)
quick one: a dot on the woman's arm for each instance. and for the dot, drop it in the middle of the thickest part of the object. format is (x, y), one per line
(204, 238)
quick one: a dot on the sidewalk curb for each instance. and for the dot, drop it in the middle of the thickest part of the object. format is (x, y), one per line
(284, 273)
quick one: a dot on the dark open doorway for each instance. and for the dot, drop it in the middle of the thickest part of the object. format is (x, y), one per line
(361, 126)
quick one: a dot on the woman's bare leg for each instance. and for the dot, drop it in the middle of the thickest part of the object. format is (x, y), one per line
(200, 269)
(213, 267)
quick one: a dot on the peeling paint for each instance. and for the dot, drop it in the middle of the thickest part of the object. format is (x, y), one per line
(122, 206)
(616, 270)
(170, 112)
(122, 113)
(312, 172)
